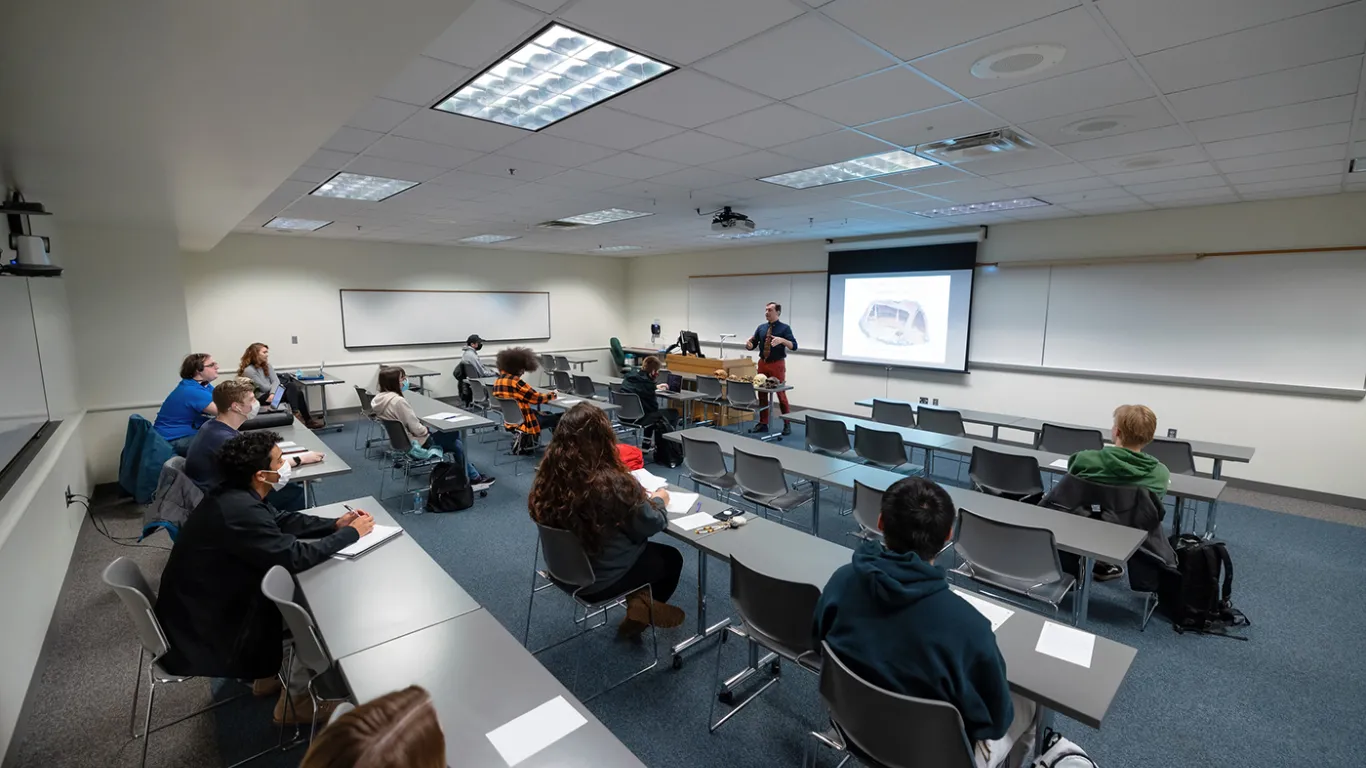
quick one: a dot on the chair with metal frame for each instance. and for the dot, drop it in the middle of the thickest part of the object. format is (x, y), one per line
(763, 483)
(512, 421)
(1007, 475)
(629, 417)
(894, 412)
(1017, 559)
(944, 422)
(562, 363)
(867, 510)
(826, 436)
(584, 386)
(480, 397)
(563, 381)
(713, 395)
(367, 411)
(740, 396)
(883, 448)
(775, 615)
(568, 568)
(928, 733)
(1179, 459)
(705, 464)
(547, 367)
(398, 458)
(1069, 440)
(325, 682)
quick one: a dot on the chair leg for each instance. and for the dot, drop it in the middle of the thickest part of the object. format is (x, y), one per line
(531, 599)
(137, 686)
(1148, 612)
(147, 724)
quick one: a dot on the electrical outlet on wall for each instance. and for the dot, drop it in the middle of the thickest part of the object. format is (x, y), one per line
(936, 401)
(293, 339)
(1171, 433)
(924, 401)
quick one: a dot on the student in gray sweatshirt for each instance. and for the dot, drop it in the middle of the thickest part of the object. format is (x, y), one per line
(255, 365)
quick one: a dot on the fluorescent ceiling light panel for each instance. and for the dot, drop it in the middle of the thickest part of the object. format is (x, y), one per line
(619, 248)
(353, 186)
(747, 235)
(295, 225)
(1358, 165)
(851, 170)
(550, 77)
(488, 238)
(606, 216)
(991, 207)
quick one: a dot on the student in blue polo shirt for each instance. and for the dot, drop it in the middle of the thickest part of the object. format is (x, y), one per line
(190, 404)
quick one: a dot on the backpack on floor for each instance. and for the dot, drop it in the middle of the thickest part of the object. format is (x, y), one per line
(1058, 752)
(667, 452)
(1198, 594)
(449, 489)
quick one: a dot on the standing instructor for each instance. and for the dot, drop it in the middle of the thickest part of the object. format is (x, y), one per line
(773, 338)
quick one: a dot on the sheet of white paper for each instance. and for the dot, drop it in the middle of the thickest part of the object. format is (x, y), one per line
(377, 535)
(458, 417)
(648, 481)
(1064, 642)
(442, 415)
(682, 502)
(566, 401)
(525, 736)
(287, 444)
(694, 521)
(996, 614)
(1059, 463)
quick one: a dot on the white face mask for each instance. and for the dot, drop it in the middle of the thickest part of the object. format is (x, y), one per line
(283, 473)
(255, 408)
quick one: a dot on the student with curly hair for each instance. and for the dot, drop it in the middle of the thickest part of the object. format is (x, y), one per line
(512, 363)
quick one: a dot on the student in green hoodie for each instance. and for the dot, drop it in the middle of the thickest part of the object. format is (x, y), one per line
(891, 617)
(1124, 463)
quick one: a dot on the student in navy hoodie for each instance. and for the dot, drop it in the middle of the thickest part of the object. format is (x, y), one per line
(891, 617)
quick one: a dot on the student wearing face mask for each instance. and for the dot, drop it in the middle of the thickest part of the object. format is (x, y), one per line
(236, 402)
(389, 405)
(210, 605)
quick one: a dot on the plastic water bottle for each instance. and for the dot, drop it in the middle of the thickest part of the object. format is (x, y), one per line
(419, 502)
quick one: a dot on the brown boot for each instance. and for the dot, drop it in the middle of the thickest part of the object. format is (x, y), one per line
(315, 424)
(667, 616)
(266, 686)
(298, 710)
(637, 615)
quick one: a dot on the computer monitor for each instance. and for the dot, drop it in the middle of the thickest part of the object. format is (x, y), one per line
(690, 344)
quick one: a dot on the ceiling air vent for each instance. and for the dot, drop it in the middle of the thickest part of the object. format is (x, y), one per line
(557, 224)
(966, 148)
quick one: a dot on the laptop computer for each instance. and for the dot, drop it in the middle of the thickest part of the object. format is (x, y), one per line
(277, 396)
(675, 382)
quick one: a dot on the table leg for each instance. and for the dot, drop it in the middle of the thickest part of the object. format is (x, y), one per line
(1212, 517)
(775, 431)
(995, 433)
(703, 631)
(1043, 720)
(1084, 589)
(816, 509)
(327, 427)
(308, 494)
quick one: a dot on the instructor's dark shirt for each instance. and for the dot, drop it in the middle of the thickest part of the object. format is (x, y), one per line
(776, 352)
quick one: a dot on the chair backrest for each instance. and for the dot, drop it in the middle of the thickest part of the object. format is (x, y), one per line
(565, 560)
(584, 387)
(278, 586)
(893, 412)
(614, 387)
(398, 435)
(618, 354)
(778, 613)
(826, 435)
(880, 446)
(1005, 474)
(547, 363)
(940, 420)
(867, 507)
(563, 382)
(994, 548)
(1069, 440)
(126, 579)
(366, 401)
(478, 392)
(928, 733)
(741, 393)
(759, 475)
(561, 363)
(703, 458)
(512, 412)
(709, 386)
(631, 409)
(1177, 455)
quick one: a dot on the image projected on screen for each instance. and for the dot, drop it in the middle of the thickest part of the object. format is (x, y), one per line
(897, 318)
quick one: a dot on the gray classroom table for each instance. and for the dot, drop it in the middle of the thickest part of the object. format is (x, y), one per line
(683, 397)
(386, 593)
(308, 474)
(563, 401)
(581, 361)
(322, 384)
(425, 406)
(480, 677)
(414, 371)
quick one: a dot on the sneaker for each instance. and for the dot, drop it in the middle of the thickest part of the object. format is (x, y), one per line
(759, 428)
(1106, 572)
(482, 483)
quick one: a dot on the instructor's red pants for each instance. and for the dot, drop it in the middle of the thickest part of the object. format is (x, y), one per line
(776, 369)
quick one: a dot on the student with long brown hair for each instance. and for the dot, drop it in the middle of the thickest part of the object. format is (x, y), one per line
(389, 405)
(397, 730)
(255, 365)
(581, 486)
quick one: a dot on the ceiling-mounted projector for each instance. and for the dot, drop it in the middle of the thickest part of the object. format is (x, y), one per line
(976, 147)
(726, 220)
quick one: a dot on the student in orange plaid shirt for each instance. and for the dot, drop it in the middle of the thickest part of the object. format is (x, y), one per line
(512, 363)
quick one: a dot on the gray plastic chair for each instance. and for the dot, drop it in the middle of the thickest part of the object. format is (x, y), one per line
(880, 447)
(775, 615)
(563, 381)
(512, 419)
(547, 367)
(941, 420)
(479, 396)
(825, 436)
(713, 396)
(584, 386)
(928, 733)
(367, 410)
(1019, 559)
(1177, 455)
(893, 412)
(867, 510)
(398, 459)
(1006, 475)
(705, 464)
(763, 483)
(562, 363)
(1069, 440)
(325, 682)
(628, 417)
(740, 396)
(568, 568)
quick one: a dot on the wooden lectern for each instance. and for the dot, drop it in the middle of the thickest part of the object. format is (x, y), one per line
(708, 366)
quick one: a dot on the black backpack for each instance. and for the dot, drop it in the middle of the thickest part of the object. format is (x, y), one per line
(449, 489)
(1193, 595)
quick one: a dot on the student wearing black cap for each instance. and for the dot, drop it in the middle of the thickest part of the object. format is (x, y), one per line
(470, 364)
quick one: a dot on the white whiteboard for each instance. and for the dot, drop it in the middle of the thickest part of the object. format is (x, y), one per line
(407, 318)
(735, 304)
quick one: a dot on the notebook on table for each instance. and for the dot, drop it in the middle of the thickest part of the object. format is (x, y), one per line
(378, 535)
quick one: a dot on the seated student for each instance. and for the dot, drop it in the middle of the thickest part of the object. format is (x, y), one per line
(255, 365)
(389, 405)
(581, 486)
(470, 367)
(217, 622)
(397, 730)
(236, 402)
(641, 383)
(889, 615)
(190, 404)
(512, 363)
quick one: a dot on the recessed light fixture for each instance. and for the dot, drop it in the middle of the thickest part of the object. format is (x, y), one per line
(1023, 61)
(619, 248)
(1089, 126)
(555, 74)
(605, 216)
(851, 170)
(295, 225)
(747, 235)
(354, 186)
(488, 238)
(1358, 165)
(991, 207)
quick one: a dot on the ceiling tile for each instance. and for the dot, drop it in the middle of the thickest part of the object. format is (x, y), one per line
(680, 32)
(1288, 172)
(1282, 159)
(1210, 196)
(1079, 126)
(1049, 175)
(1329, 189)
(698, 178)
(393, 169)
(631, 166)
(1093, 88)
(834, 148)
(770, 126)
(351, 140)
(1095, 207)
(425, 80)
(1307, 39)
(1151, 25)
(758, 164)
(1278, 142)
(458, 131)
(693, 148)
(1007, 162)
(314, 176)
(1069, 186)
(687, 99)
(546, 6)
(1148, 160)
(1065, 198)
(1087, 47)
(578, 178)
(968, 191)
(1272, 186)
(899, 26)
(1289, 86)
(381, 115)
(610, 128)
(1200, 181)
(934, 174)
(946, 122)
(555, 150)
(1169, 173)
(330, 159)
(1276, 119)
(1150, 140)
(749, 189)
(486, 29)
(313, 207)
(802, 55)
(422, 152)
(878, 96)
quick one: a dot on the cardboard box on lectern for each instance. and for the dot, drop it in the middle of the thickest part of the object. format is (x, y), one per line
(708, 366)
